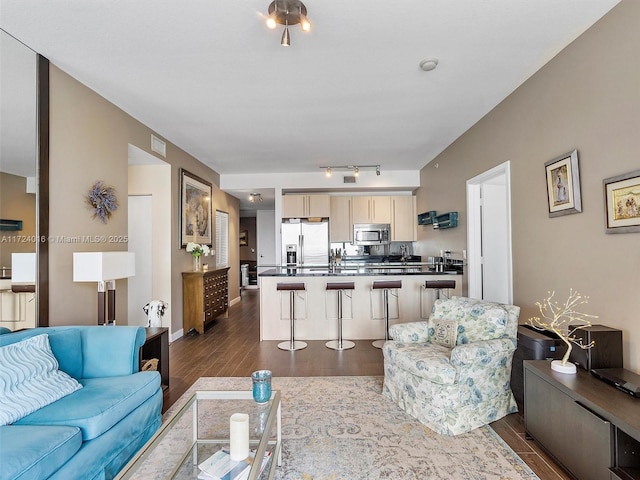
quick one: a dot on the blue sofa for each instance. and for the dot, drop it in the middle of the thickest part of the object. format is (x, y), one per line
(94, 431)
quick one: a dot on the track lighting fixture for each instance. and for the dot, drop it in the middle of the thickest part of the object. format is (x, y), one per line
(255, 197)
(288, 12)
(354, 168)
(286, 40)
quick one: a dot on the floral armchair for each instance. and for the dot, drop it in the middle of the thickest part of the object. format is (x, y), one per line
(452, 372)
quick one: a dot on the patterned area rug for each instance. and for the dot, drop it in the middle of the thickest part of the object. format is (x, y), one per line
(337, 428)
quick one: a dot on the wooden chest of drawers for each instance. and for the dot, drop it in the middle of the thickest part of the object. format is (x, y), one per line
(204, 297)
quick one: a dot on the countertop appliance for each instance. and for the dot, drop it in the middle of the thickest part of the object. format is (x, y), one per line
(371, 233)
(311, 241)
(292, 254)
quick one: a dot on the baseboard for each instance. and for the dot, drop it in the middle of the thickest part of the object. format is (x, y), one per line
(176, 335)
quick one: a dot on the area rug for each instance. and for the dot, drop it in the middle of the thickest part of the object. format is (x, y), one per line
(343, 428)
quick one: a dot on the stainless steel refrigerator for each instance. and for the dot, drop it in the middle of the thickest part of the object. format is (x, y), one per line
(311, 240)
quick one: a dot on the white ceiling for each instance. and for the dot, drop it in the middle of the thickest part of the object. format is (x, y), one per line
(210, 76)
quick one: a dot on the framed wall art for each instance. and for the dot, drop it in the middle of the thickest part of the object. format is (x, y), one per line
(622, 203)
(244, 238)
(563, 185)
(195, 209)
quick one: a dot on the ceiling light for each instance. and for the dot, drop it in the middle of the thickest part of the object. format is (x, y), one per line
(355, 168)
(288, 12)
(255, 197)
(286, 40)
(305, 25)
(429, 64)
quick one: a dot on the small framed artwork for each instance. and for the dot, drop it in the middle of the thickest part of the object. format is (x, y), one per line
(563, 185)
(244, 238)
(622, 203)
(195, 209)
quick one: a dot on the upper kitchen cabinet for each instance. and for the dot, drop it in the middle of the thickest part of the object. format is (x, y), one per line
(371, 209)
(305, 206)
(340, 224)
(403, 226)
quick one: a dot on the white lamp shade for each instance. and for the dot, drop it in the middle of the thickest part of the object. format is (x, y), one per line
(23, 268)
(103, 266)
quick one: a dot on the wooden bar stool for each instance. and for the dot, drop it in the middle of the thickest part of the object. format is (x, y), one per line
(385, 286)
(437, 286)
(292, 344)
(340, 344)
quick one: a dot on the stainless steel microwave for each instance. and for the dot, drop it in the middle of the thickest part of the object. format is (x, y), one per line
(371, 233)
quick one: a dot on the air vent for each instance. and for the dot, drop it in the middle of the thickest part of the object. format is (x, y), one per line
(349, 179)
(158, 146)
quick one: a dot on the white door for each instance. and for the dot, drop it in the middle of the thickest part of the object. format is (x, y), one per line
(266, 237)
(140, 242)
(489, 260)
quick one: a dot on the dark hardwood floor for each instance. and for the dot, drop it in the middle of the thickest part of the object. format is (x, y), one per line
(231, 347)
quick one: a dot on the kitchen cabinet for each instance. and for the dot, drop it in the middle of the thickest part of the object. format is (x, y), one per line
(340, 224)
(376, 209)
(589, 427)
(204, 297)
(305, 206)
(403, 226)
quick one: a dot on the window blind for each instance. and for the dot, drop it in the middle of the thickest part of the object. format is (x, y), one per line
(222, 239)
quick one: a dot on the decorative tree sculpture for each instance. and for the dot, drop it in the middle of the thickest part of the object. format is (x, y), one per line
(558, 318)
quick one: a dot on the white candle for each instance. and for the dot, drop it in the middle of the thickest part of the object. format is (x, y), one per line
(239, 436)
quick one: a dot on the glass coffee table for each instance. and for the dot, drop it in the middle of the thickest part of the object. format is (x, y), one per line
(200, 428)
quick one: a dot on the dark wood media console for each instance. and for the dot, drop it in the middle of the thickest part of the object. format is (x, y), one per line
(157, 346)
(590, 427)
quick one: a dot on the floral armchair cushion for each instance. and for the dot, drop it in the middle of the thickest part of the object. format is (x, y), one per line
(477, 319)
(454, 390)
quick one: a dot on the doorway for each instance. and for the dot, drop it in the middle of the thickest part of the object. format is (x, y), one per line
(150, 236)
(266, 234)
(140, 286)
(489, 259)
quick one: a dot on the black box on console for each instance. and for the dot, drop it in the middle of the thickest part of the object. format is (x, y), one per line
(533, 344)
(606, 352)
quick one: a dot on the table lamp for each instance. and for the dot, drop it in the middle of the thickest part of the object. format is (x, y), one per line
(104, 268)
(23, 272)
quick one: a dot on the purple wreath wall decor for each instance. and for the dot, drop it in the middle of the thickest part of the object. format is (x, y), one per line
(102, 199)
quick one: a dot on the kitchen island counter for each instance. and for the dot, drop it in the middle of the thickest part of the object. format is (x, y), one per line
(316, 307)
(367, 269)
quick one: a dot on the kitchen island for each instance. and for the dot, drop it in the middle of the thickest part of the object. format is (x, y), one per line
(363, 315)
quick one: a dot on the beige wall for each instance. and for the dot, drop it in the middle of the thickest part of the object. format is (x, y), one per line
(89, 142)
(587, 97)
(16, 204)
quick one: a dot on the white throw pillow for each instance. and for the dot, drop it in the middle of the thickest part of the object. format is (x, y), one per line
(30, 378)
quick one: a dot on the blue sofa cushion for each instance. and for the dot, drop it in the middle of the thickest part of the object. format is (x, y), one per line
(30, 378)
(99, 405)
(67, 347)
(36, 452)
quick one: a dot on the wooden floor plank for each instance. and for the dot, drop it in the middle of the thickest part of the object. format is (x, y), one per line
(231, 347)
